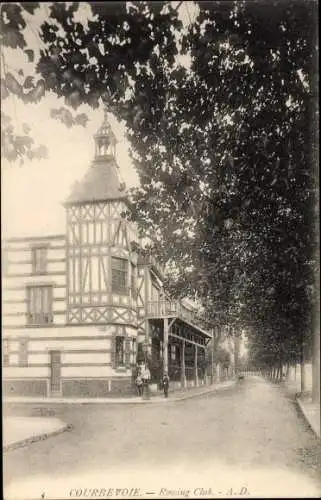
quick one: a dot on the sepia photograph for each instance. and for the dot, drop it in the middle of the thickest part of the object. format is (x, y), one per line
(160, 249)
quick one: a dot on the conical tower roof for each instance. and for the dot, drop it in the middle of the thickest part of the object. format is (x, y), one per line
(101, 181)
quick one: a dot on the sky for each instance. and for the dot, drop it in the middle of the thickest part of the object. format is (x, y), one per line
(32, 194)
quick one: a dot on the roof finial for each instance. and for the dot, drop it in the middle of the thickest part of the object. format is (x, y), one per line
(105, 111)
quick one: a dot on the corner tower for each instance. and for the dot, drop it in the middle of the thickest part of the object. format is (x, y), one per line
(101, 267)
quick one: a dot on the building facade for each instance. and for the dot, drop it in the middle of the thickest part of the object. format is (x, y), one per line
(80, 309)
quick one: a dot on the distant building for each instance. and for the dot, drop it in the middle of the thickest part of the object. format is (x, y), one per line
(80, 309)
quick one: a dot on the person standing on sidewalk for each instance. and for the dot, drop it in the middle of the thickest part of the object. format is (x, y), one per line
(165, 384)
(139, 383)
(146, 378)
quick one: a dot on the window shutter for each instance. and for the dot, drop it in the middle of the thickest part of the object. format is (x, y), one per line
(127, 352)
(113, 351)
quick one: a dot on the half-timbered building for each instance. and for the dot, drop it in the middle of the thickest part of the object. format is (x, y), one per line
(80, 308)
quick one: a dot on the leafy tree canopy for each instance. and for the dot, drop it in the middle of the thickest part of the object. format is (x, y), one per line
(225, 148)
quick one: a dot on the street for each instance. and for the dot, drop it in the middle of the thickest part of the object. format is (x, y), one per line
(249, 436)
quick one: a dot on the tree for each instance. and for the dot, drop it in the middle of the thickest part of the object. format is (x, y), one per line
(82, 63)
(224, 149)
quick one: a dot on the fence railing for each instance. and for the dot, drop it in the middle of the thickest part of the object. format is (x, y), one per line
(165, 308)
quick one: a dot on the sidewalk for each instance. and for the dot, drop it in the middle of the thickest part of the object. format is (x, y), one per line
(178, 395)
(310, 411)
(20, 431)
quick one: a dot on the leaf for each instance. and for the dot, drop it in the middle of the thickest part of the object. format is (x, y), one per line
(13, 39)
(30, 7)
(49, 33)
(36, 93)
(13, 85)
(4, 90)
(39, 90)
(63, 115)
(30, 54)
(73, 99)
(28, 83)
(58, 11)
(81, 119)
(78, 58)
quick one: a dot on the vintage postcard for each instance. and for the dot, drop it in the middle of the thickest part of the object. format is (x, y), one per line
(160, 249)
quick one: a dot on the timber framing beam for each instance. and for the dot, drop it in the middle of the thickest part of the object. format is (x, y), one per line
(179, 337)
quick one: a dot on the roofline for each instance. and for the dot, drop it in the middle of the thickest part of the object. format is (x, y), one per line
(103, 200)
(35, 238)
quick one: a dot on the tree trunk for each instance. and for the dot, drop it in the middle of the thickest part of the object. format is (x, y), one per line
(303, 374)
(212, 367)
(275, 375)
(316, 319)
(291, 372)
(288, 371)
(303, 378)
(316, 366)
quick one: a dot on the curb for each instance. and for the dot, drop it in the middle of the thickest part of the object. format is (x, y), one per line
(304, 413)
(122, 402)
(35, 439)
(210, 391)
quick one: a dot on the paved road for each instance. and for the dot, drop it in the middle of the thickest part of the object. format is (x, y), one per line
(249, 438)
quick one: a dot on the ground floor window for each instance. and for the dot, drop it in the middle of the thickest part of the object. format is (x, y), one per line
(6, 353)
(173, 352)
(140, 353)
(133, 351)
(120, 351)
(156, 355)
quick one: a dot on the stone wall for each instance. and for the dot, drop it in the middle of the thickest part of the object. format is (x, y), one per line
(28, 387)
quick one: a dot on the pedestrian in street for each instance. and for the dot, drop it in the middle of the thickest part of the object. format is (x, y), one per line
(165, 384)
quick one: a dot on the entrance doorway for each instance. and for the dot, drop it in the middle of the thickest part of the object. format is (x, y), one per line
(55, 373)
